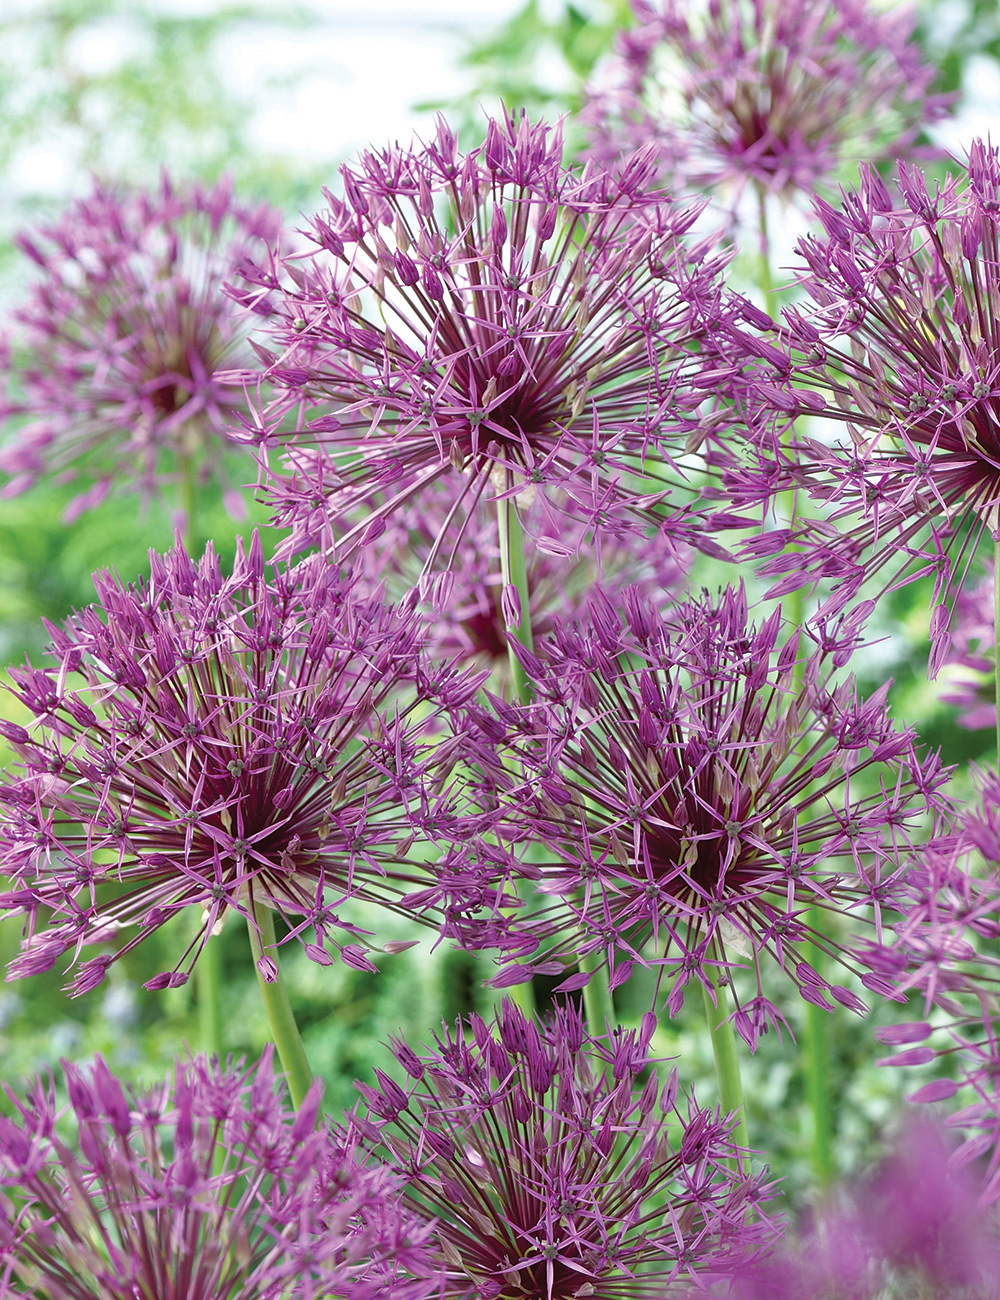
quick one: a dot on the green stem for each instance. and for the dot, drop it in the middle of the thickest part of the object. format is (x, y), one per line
(208, 972)
(996, 635)
(514, 572)
(816, 1038)
(598, 1005)
(277, 1007)
(816, 1035)
(816, 1051)
(727, 1061)
(208, 984)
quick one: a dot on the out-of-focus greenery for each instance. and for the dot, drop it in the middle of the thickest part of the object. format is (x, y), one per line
(164, 102)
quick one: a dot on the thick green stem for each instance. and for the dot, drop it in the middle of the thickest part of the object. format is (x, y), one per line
(819, 1091)
(727, 1061)
(996, 636)
(208, 984)
(514, 571)
(277, 1007)
(598, 1005)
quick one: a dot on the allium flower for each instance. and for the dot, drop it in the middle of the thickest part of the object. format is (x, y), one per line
(911, 1229)
(208, 1188)
(466, 610)
(494, 321)
(205, 743)
(126, 335)
(543, 1179)
(781, 93)
(901, 347)
(696, 796)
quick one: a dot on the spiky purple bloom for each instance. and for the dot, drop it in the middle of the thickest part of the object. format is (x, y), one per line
(207, 1187)
(550, 1168)
(781, 93)
(125, 336)
(696, 795)
(911, 1228)
(205, 743)
(468, 609)
(900, 345)
(493, 321)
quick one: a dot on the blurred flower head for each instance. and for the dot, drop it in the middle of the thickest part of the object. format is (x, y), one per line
(124, 337)
(911, 1228)
(781, 93)
(207, 1187)
(549, 1167)
(205, 743)
(697, 793)
(495, 322)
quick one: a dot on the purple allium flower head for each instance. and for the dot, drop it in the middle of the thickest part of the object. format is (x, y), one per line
(207, 1187)
(782, 93)
(465, 607)
(901, 346)
(126, 334)
(696, 796)
(551, 1169)
(910, 1228)
(494, 321)
(207, 742)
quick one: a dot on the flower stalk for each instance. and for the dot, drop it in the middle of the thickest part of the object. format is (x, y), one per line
(277, 1007)
(727, 1061)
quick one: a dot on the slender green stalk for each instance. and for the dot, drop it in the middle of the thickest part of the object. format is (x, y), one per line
(208, 972)
(598, 1005)
(816, 1038)
(996, 635)
(277, 1007)
(514, 571)
(727, 1061)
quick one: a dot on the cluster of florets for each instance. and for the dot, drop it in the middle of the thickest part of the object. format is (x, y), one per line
(697, 790)
(781, 95)
(216, 744)
(127, 334)
(899, 346)
(555, 1164)
(208, 1186)
(494, 321)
